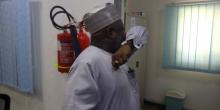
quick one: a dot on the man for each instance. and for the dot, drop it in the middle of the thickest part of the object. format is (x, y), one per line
(135, 39)
(93, 84)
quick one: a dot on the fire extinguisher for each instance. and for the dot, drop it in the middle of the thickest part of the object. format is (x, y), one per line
(68, 44)
(65, 52)
(83, 37)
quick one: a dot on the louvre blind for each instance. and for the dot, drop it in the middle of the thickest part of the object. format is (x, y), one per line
(191, 37)
(15, 45)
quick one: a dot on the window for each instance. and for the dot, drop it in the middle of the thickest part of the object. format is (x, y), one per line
(191, 37)
(15, 45)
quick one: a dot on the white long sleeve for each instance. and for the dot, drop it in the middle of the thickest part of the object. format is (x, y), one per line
(139, 34)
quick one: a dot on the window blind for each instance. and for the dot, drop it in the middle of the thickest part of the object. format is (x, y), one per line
(191, 37)
(15, 45)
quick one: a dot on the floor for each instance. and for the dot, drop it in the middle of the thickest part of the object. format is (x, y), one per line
(149, 106)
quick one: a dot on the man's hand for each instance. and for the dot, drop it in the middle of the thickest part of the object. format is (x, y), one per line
(121, 55)
(136, 37)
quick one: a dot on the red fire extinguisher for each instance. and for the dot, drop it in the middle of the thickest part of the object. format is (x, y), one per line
(66, 53)
(71, 43)
(83, 37)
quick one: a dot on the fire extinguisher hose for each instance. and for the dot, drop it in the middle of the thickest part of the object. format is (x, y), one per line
(62, 11)
(71, 27)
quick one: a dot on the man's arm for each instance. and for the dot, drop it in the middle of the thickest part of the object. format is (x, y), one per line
(122, 54)
(136, 37)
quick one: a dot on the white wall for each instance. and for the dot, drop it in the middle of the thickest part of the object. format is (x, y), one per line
(202, 89)
(50, 84)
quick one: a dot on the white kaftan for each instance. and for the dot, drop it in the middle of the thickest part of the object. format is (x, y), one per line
(94, 85)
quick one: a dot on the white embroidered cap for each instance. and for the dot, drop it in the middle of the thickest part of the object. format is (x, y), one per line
(102, 18)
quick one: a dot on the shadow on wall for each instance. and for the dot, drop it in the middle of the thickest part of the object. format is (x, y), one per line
(36, 47)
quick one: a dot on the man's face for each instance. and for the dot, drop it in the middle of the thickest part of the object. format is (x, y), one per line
(118, 35)
(110, 38)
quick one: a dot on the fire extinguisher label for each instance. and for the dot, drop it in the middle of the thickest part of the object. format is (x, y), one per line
(66, 54)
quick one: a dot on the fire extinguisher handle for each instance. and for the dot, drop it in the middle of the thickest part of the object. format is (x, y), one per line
(75, 42)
